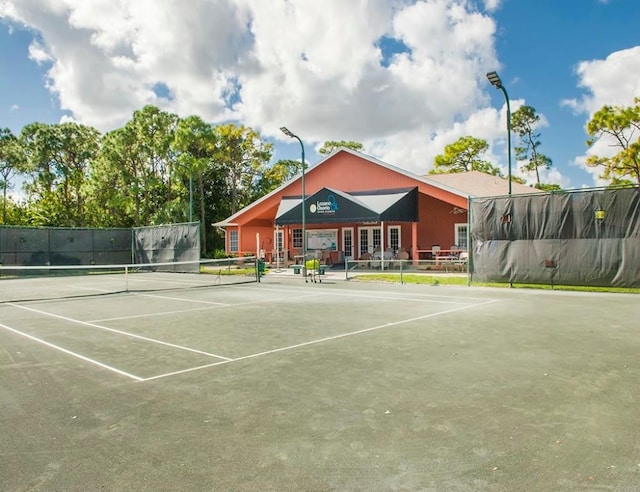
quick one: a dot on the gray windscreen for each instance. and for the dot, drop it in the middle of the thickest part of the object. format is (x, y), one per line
(589, 238)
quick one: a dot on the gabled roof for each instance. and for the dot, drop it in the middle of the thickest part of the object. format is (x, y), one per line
(478, 184)
(461, 188)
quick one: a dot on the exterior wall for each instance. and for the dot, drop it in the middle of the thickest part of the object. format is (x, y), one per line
(348, 172)
(437, 223)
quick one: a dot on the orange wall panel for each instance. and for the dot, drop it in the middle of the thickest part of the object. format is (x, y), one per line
(348, 172)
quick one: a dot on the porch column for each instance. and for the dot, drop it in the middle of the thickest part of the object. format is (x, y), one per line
(415, 256)
(382, 245)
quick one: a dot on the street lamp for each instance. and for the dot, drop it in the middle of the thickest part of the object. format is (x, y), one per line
(289, 133)
(494, 78)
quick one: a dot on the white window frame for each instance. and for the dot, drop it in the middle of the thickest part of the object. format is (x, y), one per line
(234, 242)
(388, 237)
(457, 235)
(278, 239)
(371, 239)
(296, 242)
(345, 231)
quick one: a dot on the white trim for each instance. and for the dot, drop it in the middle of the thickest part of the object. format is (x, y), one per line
(371, 247)
(456, 233)
(388, 238)
(237, 250)
(353, 243)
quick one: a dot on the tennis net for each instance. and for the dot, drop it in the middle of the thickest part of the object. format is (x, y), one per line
(27, 283)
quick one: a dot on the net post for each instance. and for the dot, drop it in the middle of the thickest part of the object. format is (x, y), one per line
(469, 245)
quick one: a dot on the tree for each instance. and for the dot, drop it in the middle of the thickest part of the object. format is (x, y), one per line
(154, 132)
(331, 145)
(58, 159)
(524, 123)
(464, 155)
(243, 156)
(620, 128)
(549, 187)
(11, 161)
(276, 175)
(195, 146)
(115, 181)
(132, 176)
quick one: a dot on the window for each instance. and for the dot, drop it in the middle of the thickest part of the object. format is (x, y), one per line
(322, 239)
(347, 242)
(461, 235)
(393, 240)
(370, 239)
(364, 240)
(233, 241)
(376, 238)
(297, 238)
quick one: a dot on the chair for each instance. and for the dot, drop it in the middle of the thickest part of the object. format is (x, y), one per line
(364, 260)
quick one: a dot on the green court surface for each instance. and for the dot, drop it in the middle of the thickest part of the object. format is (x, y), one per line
(344, 385)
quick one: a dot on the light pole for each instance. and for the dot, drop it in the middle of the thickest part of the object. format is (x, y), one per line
(190, 189)
(494, 78)
(288, 133)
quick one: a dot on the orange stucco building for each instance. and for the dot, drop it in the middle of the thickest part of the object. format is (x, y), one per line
(356, 204)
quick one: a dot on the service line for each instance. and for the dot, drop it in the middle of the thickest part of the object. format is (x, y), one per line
(320, 340)
(120, 332)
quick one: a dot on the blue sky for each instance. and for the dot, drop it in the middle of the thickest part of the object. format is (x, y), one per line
(405, 78)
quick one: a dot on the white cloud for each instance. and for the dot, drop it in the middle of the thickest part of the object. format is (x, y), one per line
(14, 108)
(613, 81)
(65, 118)
(315, 66)
(492, 5)
(38, 53)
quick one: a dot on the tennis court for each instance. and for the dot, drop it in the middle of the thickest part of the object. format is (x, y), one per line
(344, 385)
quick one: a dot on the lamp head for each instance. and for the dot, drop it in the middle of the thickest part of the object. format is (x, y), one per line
(286, 131)
(494, 78)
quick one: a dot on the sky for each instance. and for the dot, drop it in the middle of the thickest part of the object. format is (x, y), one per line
(403, 77)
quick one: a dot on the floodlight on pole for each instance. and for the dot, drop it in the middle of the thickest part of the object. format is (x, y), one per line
(289, 133)
(495, 80)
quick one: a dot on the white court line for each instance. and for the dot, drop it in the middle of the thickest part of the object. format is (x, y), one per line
(372, 293)
(396, 297)
(178, 311)
(320, 340)
(73, 354)
(156, 296)
(120, 332)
